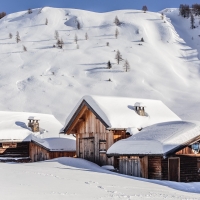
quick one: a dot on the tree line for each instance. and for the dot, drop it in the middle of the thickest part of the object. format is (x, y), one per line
(2, 14)
(186, 11)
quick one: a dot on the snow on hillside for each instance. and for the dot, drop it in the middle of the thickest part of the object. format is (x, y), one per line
(51, 80)
(70, 178)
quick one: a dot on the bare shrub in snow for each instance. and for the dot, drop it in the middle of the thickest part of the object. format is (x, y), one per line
(10, 35)
(59, 43)
(142, 39)
(107, 44)
(46, 21)
(56, 35)
(118, 57)
(116, 21)
(17, 37)
(24, 48)
(75, 38)
(126, 66)
(144, 8)
(109, 65)
(116, 33)
(86, 36)
(192, 21)
(30, 11)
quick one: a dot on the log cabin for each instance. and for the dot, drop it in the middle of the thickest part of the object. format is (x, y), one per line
(164, 151)
(32, 137)
(98, 122)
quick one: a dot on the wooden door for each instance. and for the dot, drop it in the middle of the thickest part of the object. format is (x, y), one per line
(174, 169)
(88, 148)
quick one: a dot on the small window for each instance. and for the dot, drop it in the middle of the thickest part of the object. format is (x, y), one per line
(195, 148)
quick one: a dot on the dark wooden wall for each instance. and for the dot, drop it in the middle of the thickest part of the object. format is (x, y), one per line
(22, 150)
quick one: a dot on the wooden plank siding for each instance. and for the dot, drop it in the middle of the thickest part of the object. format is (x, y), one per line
(93, 139)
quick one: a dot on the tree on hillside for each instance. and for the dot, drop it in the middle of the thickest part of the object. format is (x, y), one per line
(109, 66)
(10, 35)
(56, 35)
(196, 9)
(116, 33)
(142, 39)
(86, 36)
(126, 66)
(118, 57)
(75, 38)
(46, 21)
(2, 14)
(184, 10)
(78, 25)
(24, 48)
(162, 15)
(144, 8)
(17, 37)
(30, 11)
(107, 43)
(192, 21)
(116, 21)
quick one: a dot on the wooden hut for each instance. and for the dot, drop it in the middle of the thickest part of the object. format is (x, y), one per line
(98, 122)
(165, 151)
(25, 140)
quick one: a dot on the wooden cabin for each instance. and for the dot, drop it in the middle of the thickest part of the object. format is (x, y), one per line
(167, 151)
(23, 140)
(98, 122)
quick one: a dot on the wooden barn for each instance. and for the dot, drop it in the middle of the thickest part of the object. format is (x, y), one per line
(164, 151)
(26, 137)
(98, 122)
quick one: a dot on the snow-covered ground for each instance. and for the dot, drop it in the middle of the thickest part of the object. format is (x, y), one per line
(70, 178)
(51, 80)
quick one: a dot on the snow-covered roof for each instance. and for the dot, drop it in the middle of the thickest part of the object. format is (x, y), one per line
(157, 139)
(119, 112)
(13, 128)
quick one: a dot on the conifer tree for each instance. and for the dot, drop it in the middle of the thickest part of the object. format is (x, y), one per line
(109, 66)
(10, 35)
(144, 8)
(18, 37)
(46, 21)
(30, 11)
(116, 21)
(118, 57)
(126, 66)
(75, 38)
(78, 25)
(192, 21)
(116, 33)
(24, 48)
(142, 39)
(56, 35)
(86, 36)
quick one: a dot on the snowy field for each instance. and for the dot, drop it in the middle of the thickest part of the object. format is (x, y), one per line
(70, 178)
(51, 80)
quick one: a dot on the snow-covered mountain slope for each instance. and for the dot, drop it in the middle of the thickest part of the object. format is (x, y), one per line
(51, 80)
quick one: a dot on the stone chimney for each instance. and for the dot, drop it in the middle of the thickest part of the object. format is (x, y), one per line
(139, 108)
(34, 124)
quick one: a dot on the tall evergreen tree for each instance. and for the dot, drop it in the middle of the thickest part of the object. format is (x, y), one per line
(116, 33)
(118, 57)
(109, 66)
(116, 21)
(192, 21)
(78, 24)
(126, 66)
(144, 8)
(46, 21)
(17, 37)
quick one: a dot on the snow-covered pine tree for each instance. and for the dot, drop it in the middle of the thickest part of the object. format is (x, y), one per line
(46, 21)
(86, 36)
(116, 33)
(30, 11)
(116, 21)
(118, 57)
(192, 21)
(78, 25)
(109, 66)
(126, 66)
(24, 48)
(10, 35)
(17, 37)
(144, 8)
(75, 38)
(56, 35)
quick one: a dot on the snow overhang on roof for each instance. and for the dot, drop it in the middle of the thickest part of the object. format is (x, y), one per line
(158, 139)
(120, 113)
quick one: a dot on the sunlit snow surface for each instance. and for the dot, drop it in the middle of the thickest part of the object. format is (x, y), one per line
(51, 80)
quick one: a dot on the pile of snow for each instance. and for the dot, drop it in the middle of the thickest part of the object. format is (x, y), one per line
(50, 80)
(13, 128)
(118, 112)
(157, 139)
(75, 179)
